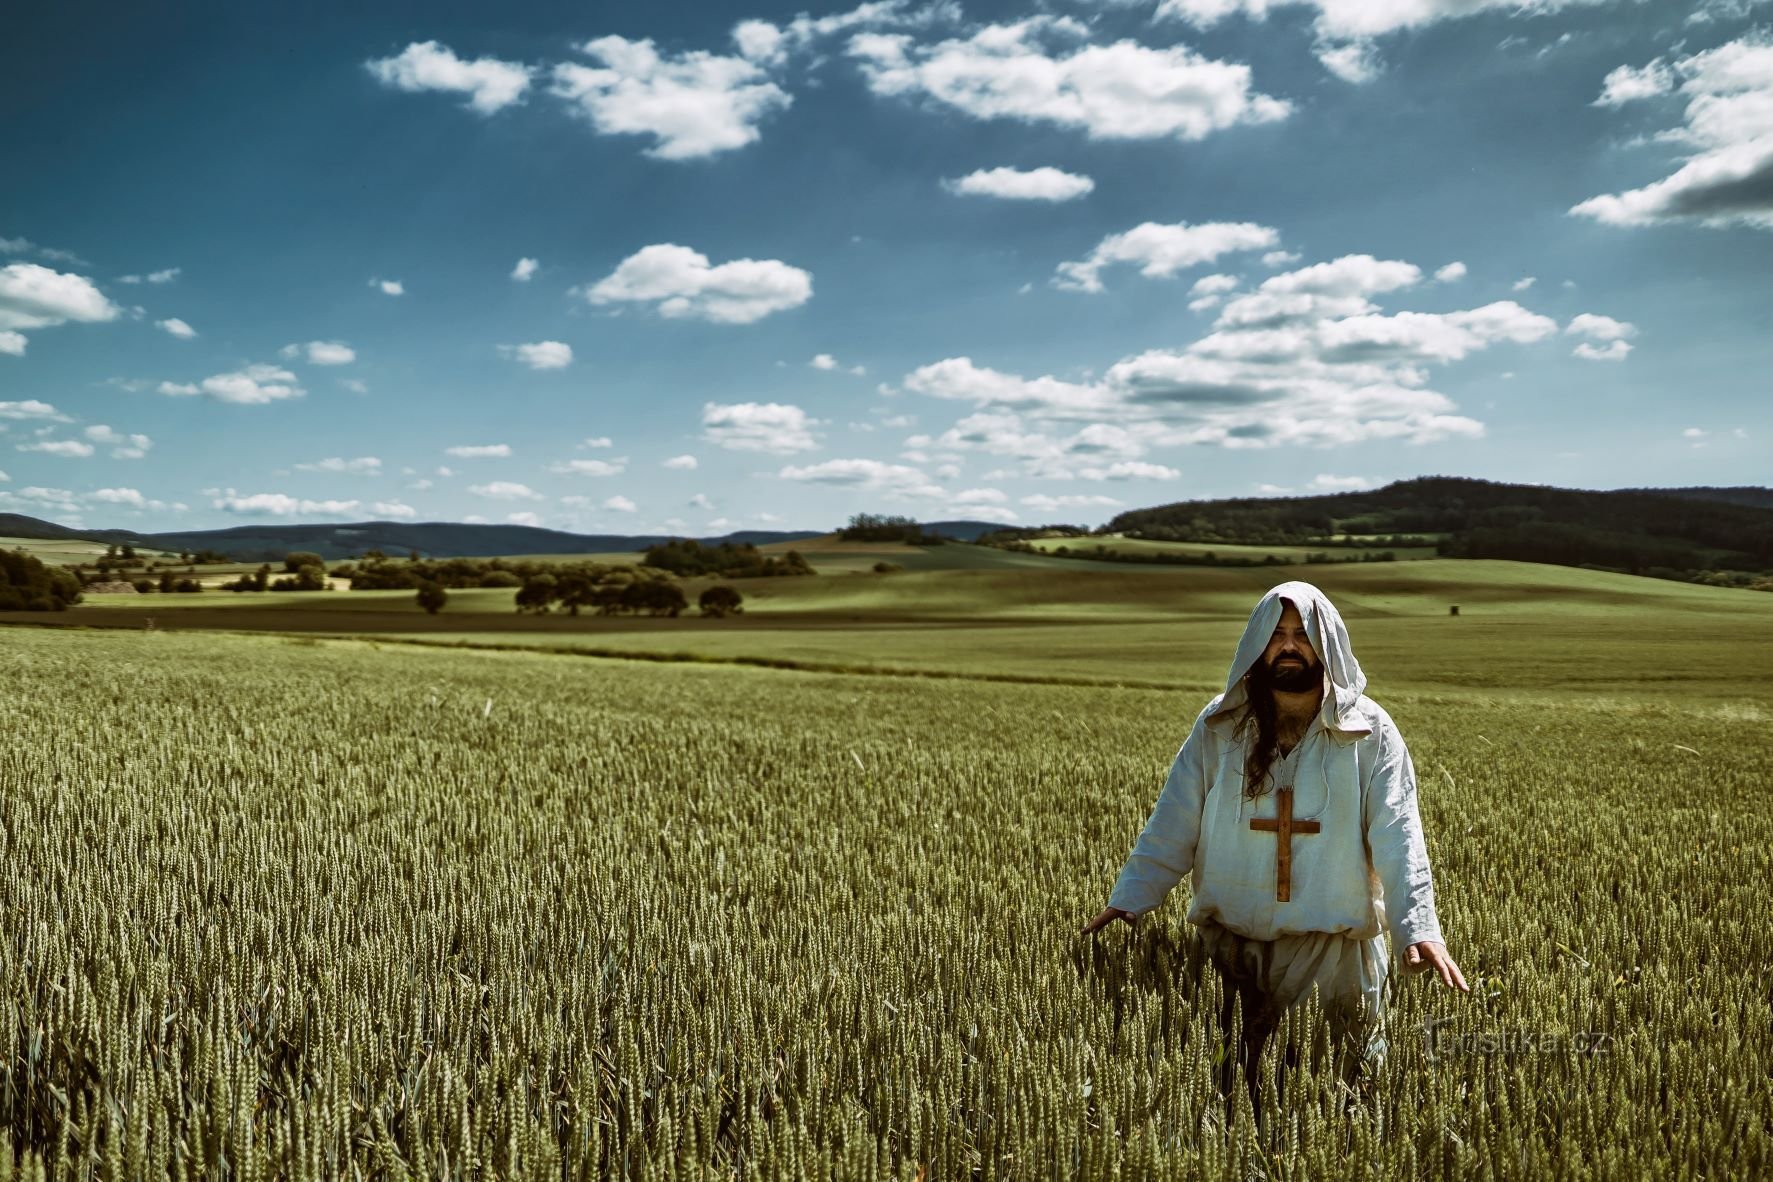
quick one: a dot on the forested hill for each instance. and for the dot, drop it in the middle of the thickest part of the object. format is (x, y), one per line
(1625, 529)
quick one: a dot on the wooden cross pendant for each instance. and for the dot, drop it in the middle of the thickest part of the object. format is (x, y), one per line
(1283, 827)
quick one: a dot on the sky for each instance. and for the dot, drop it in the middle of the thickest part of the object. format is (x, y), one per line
(692, 268)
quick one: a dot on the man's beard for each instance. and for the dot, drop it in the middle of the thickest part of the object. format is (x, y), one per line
(1290, 674)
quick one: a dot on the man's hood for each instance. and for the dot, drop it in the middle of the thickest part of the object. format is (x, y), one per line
(1329, 639)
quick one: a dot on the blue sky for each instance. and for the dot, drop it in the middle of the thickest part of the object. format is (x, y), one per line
(688, 268)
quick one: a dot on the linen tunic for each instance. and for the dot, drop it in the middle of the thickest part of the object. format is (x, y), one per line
(1363, 874)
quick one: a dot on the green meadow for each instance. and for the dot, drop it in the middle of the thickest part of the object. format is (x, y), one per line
(319, 886)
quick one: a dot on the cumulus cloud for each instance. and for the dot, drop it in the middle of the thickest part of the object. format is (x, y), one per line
(693, 104)
(827, 362)
(773, 427)
(320, 353)
(681, 463)
(489, 83)
(505, 490)
(524, 270)
(1607, 339)
(31, 408)
(124, 446)
(894, 481)
(1159, 251)
(620, 504)
(393, 510)
(478, 451)
(1208, 290)
(34, 296)
(1354, 61)
(253, 385)
(1324, 482)
(391, 287)
(598, 441)
(71, 448)
(1015, 184)
(540, 354)
(524, 518)
(280, 505)
(360, 466)
(173, 326)
(1032, 71)
(1353, 20)
(1451, 273)
(683, 284)
(614, 467)
(1727, 176)
(1306, 359)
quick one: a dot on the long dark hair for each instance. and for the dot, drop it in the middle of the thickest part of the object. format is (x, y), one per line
(1261, 714)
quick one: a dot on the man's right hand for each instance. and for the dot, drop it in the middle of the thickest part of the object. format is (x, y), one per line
(1108, 916)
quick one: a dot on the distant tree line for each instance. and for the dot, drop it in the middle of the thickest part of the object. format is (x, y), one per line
(27, 584)
(688, 558)
(871, 527)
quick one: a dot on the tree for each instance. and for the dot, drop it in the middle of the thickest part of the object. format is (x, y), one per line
(575, 590)
(26, 584)
(536, 594)
(432, 597)
(720, 601)
(295, 560)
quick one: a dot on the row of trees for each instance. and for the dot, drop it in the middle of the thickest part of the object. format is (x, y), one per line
(873, 527)
(688, 558)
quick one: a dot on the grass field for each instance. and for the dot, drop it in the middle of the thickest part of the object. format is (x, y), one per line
(1145, 547)
(318, 908)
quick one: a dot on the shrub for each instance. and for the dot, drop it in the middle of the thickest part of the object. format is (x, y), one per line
(432, 597)
(720, 601)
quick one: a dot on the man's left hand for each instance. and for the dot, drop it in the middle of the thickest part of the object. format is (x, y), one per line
(1427, 954)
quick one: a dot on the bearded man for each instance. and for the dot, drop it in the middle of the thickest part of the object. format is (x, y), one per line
(1292, 806)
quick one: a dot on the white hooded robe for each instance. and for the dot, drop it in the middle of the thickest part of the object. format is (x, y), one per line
(1364, 874)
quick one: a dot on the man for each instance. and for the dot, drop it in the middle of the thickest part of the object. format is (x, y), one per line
(1292, 805)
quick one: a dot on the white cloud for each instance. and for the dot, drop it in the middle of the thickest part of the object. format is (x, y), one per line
(540, 354)
(490, 84)
(280, 505)
(176, 327)
(684, 463)
(892, 480)
(166, 276)
(1208, 290)
(980, 496)
(1328, 483)
(524, 518)
(620, 504)
(1336, 288)
(118, 496)
(355, 385)
(613, 467)
(823, 361)
(774, 427)
(253, 385)
(123, 446)
(71, 448)
(1451, 273)
(1727, 178)
(505, 490)
(30, 408)
(1120, 91)
(1629, 83)
(360, 466)
(598, 441)
(1524, 284)
(477, 451)
(1353, 20)
(320, 353)
(1280, 258)
(701, 501)
(1015, 184)
(682, 284)
(1354, 61)
(391, 287)
(33, 296)
(1044, 503)
(524, 270)
(1613, 337)
(1162, 250)
(693, 104)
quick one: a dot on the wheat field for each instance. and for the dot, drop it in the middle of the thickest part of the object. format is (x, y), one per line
(288, 908)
